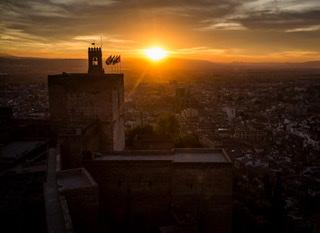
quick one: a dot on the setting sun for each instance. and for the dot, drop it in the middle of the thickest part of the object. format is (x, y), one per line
(156, 53)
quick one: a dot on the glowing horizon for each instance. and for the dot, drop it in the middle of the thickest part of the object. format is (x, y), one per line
(215, 56)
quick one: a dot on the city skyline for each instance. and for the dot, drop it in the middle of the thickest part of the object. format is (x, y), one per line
(219, 31)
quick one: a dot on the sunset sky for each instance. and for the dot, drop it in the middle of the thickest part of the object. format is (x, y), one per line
(216, 30)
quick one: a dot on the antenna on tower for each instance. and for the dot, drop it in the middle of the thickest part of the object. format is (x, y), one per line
(101, 41)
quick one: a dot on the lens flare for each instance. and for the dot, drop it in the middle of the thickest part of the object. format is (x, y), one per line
(156, 53)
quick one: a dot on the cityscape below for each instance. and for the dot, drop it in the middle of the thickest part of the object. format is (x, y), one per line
(201, 147)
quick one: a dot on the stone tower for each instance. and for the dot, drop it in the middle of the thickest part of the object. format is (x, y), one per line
(86, 110)
(95, 60)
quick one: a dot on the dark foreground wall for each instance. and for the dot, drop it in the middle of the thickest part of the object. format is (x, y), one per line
(75, 99)
(163, 189)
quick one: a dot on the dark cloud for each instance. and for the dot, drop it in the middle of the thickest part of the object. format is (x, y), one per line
(57, 21)
(281, 20)
(74, 16)
(40, 17)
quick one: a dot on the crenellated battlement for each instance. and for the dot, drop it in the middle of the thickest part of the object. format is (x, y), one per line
(94, 50)
(95, 60)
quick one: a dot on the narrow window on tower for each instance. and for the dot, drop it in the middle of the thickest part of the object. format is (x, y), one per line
(95, 61)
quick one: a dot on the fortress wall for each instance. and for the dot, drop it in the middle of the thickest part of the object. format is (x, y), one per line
(78, 100)
(150, 191)
(133, 190)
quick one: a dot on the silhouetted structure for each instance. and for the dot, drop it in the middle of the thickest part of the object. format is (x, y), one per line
(140, 190)
(95, 60)
(86, 110)
(186, 188)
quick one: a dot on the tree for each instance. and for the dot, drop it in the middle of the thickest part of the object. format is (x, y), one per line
(137, 132)
(188, 141)
(168, 125)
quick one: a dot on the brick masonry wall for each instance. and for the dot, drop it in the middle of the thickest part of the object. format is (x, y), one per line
(84, 98)
(83, 207)
(79, 99)
(82, 201)
(150, 191)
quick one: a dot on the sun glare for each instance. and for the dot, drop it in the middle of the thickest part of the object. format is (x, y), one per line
(156, 53)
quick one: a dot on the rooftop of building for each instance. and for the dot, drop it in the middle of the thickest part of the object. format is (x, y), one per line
(74, 128)
(18, 149)
(74, 179)
(188, 155)
(77, 76)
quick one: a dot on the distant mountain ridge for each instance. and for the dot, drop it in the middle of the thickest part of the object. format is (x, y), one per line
(176, 61)
(40, 68)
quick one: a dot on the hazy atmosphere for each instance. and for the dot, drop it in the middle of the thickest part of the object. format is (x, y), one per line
(216, 30)
(194, 116)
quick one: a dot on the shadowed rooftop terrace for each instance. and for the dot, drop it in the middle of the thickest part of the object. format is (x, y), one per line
(175, 156)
